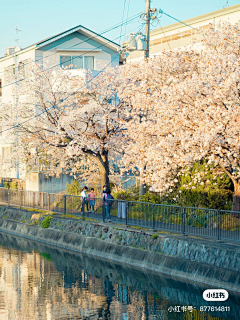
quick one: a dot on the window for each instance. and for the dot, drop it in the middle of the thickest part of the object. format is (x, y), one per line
(21, 70)
(8, 74)
(65, 61)
(6, 152)
(76, 62)
(89, 63)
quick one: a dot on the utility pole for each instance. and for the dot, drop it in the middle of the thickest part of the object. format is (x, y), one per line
(142, 187)
(17, 96)
(147, 29)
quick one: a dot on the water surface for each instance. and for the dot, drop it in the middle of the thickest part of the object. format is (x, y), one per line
(46, 283)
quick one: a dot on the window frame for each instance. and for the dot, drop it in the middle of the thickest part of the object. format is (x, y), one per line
(71, 58)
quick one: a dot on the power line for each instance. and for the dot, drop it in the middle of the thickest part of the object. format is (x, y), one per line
(165, 35)
(89, 38)
(162, 12)
(127, 14)
(122, 21)
(81, 55)
(36, 116)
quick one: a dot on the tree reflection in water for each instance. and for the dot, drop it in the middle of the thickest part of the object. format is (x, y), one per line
(40, 282)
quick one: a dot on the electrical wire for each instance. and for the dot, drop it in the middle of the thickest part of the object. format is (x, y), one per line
(127, 14)
(162, 12)
(39, 114)
(165, 35)
(127, 21)
(81, 55)
(122, 21)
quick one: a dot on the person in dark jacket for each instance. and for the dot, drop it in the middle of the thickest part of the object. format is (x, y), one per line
(107, 203)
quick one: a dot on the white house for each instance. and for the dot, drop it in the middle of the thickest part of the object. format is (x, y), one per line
(79, 47)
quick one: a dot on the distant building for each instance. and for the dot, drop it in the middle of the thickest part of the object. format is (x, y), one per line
(178, 35)
(64, 49)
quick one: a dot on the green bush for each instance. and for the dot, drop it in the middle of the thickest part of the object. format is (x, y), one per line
(124, 195)
(155, 236)
(74, 188)
(203, 185)
(10, 185)
(150, 197)
(133, 195)
(46, 222)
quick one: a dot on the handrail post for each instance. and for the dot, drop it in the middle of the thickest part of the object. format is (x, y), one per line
(126, 213)
(219, 225)
(83, 207)
(65, 204)
(20, 199)
(153, 225)
(48, 202)
(183, 220)
(103, 209)
(33, 199)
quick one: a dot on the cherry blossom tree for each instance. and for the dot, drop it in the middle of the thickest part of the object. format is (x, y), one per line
(203, 108)
(190, 104)
(75, 129)
(148, 151)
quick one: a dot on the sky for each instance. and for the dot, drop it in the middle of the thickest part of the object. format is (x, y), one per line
(40, 19)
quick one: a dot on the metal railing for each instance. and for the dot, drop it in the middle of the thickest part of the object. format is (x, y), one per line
(221, 225)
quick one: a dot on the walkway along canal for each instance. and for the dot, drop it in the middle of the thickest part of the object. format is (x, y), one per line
(204, 222)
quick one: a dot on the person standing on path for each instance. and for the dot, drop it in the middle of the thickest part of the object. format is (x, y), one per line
(91, 200)
(103, 192)
(84, 198)
(108, 203)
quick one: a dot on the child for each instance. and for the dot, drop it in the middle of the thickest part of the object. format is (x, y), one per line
(91, 199)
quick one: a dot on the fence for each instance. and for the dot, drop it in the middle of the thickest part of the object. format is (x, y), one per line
(221, 225)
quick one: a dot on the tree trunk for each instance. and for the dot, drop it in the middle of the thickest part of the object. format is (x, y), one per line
(236, 197)
(103, 166)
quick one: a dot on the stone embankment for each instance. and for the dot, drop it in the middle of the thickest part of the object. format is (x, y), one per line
(194, 259)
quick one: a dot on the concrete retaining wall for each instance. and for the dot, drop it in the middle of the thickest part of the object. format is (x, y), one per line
(209, 262)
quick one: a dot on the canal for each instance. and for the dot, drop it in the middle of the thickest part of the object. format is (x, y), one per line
(39, 282)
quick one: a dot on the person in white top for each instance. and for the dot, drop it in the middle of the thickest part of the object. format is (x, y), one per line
(84, 198)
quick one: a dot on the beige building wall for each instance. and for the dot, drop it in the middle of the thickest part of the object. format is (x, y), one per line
(178, 35)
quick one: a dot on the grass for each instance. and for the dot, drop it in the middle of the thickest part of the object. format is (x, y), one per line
(70, 216)
(139, 228)
(38, 211)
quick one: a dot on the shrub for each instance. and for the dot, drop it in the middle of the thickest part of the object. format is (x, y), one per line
(155, 236)
(124, 195)
(74, 188)
(46, 222)
(132, 194)
(202, 185)
(150, 197)
(10, 185)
